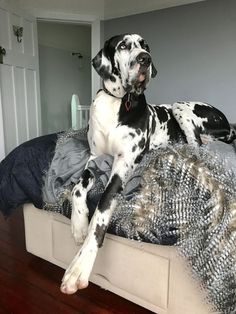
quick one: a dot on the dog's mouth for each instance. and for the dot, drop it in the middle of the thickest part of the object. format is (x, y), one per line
(142, 79)
(139, 78)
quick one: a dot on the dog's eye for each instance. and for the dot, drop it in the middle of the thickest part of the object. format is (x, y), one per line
(122, 46)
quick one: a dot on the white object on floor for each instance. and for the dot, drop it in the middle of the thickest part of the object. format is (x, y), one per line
(79, 113)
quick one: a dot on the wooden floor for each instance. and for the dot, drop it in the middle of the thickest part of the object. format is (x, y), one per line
(30, 285)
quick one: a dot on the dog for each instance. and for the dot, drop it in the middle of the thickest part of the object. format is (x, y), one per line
(123, 125)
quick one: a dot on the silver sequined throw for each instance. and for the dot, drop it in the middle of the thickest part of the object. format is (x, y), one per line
(188, 198)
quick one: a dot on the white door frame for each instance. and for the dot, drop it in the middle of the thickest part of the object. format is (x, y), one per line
(95, 23)
(2, 143)
(15, 9)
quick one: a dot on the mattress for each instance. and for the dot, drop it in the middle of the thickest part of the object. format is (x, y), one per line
(153, 276)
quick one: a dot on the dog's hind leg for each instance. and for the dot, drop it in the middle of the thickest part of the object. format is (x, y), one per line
(188, 122)
(79, 215)
(202, 123)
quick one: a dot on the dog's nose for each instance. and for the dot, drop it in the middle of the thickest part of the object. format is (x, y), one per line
(144, 59)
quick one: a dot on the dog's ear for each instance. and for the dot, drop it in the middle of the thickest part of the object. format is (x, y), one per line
(154, 71)
(102, 64)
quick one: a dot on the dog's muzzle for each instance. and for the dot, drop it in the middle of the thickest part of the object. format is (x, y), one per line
(144, 59)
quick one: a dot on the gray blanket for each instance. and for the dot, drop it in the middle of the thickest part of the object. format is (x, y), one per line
(71, 155)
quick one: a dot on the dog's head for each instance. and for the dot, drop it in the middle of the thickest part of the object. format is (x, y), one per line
(125, 64)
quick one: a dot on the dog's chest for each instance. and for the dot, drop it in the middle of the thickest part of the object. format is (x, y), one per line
(104, 112)
(103, 120)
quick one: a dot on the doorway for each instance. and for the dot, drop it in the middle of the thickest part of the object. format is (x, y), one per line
(65, 69)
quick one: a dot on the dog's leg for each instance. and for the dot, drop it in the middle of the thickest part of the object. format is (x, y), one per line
(188, 122)
(77, 275)
(79, 215)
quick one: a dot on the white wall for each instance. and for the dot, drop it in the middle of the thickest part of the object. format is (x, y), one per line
(60, 72)
(65, 36)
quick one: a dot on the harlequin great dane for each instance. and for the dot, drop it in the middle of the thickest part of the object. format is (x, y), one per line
(124, 125)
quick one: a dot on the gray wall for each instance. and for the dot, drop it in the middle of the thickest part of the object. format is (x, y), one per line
(60, 77)
(194, 50)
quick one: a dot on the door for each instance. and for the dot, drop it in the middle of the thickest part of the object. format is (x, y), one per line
(20, 116)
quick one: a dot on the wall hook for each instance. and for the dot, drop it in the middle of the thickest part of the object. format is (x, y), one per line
(18, 32)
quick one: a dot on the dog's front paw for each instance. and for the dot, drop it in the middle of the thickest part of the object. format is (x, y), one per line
(79, 226)
(72, 282)
(77, 275)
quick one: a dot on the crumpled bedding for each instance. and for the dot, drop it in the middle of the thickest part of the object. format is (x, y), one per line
(44, 170)
(22, 173)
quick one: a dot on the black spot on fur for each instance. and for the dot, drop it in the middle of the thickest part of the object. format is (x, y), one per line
(104, 72)
(162, 114)
(197, 131)
(112, 78)
(134, 148)
(141, 143)
(100, 234)
(116, 71)
(174, 131)
(131, 134)
(138, 158)
(115, 186)
(86, 176)
(77, 193)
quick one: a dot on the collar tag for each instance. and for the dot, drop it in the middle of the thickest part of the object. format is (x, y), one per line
(128, 104)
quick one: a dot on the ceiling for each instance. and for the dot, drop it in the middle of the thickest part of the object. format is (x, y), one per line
(96, 9)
